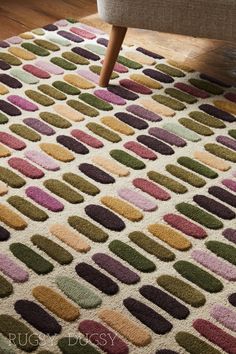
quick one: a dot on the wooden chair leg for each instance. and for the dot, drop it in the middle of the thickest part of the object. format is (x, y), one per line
(115, 41)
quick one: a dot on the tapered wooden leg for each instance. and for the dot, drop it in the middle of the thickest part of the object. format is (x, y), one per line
(115, 41)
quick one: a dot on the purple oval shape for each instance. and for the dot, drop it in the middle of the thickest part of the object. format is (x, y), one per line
(122, 92)
(44, 199)
(9, 109)
(115, 268)
(143, 113)
(39, 126)
(11, 269)
(166, 136)
(225, 140)
(22, 103)
(159, 76)
(110, 97)
(4, 65)
(105, 217)
(42, 159)
(72, 37)
(216, 112)
(85, 53)
(10, 81)
(136, 87)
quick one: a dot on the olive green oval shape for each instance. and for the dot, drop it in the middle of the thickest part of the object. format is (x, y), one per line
(133, 257)
(3, 118)
(194, 345)
(11, 178)
(62, 190)
(221, 249)
(182, 290)
(170, 70)
(25, 132)
(95, 102)
(198, 276)
(97, 70)
(52, 249)
(80, 183)
(167, 182)
(104, 132)
(180, 95)
(52, 92)
(127, 160)
(83, 108)
(11, 328)
(6, 289)
(79, 346)
(197, 167)
(231, 132)
(10, 59)
(186, 176)
(206, 86)
(47, 45)
(128, 62)
(86, 228)
(206, 119)
(169, 102)
(39, 98)
(31, 259)
(152, 247)
(66, 88)
(199, 215)
(27, 208)
(55, 120)
(63, 63)
(75, 58)
(221, 151)
(5, 346)
(33, 48)
(196, 127)
(78, 292)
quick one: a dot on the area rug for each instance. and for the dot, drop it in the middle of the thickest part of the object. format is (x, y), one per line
(117, 205)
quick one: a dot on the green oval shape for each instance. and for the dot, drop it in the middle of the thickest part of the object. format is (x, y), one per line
(196, 127)
(33, 48)
(194, 345)
(127, 160)
(6, 289)
(169, 102)
(55, 120)
(104, 132)
(27, 208)
(25, 132)
(95, 101)
(167, 182)
(197, 167)
(11, 178)
(63, 63)
(88, 229)
(39, 98)
(52, 92)
(62, 190)
(186, 176)
(80, 183)
(66, 88)
(83, 108)
(222, 250)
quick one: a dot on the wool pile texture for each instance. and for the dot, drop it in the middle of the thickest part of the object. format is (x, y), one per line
(117, 205)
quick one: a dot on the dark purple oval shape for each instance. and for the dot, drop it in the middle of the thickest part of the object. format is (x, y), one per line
(214, 207)
(72, 144)
(72, 37)
(10, 81)
(85, 53)
(37, 317)
(9, 109)
(131, 120)
(157, 75)
(4, 65)
(122, 92)
(216, 112)
(105, 217)
(4, 234)
(155, 144)
(223, 195)
(166, 136)
(96, 173)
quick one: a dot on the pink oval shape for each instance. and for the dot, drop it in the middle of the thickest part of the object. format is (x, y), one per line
(110, 97)
(151, 189)
(184, 225)
(36, 71)
(134, 86)
(229, 183)
(42, 159)
(87, 138)
(12, 270)
(11, 141)
(49, 67)
(89, 75)
(22, 103)
(25, 168)
(140, 150)
(14, 40)
(82, 33)
(91, 29)
(225, 316)
(44, 199)
(94, 330)
(118, 67)
(215, 264)
(137, 199)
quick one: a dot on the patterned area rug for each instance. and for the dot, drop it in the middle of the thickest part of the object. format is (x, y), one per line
(117, 213)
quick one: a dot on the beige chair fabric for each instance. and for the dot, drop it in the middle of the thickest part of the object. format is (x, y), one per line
(199, 18)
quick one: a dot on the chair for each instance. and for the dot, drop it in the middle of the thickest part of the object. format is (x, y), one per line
(199, 18)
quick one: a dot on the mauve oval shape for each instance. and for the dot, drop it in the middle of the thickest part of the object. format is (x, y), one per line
(191, 90)
(37, 317)
(184, 225)
(140, 150)
(42, 159)
(143, 113)
(137, 199)
(117, 346)
(34, 70)
(11, 141)
(151, 189)
(39, 126)
(227, 141)
(109, 97)
(166, 136)
(49, 67)
(105, 217)
(87, 74)
(22, 103)
(44, 199)
(11, 269)
(72, 37)
(87, 138)
(26, 168)
(116, 268)
(134, 86)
